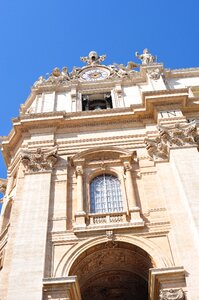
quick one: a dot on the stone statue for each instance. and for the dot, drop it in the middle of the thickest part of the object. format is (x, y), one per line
(65, 74)
(54, 76)
(146, 57)
(75, 73)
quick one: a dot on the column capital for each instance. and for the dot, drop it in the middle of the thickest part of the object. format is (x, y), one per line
(79, 170)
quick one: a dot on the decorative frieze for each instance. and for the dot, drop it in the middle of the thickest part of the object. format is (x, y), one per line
(172, 294)
(39, 160)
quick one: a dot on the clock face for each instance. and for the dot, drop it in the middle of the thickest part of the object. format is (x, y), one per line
(95, 74)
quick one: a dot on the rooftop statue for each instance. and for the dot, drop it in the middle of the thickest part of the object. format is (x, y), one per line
(93, 58)
(146, 57)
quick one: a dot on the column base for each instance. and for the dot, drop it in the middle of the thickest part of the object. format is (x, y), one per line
(135, 216)
(80, 219)
(66, 288)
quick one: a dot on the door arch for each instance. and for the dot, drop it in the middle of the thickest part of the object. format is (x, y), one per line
(113, 270)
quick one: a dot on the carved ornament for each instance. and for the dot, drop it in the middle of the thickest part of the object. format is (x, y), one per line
(61, 77)
(93, 58)
(179, 134)
(157, 149)
(172, 294)
(39, 160)
(176, 135)
(3, 185)
(154, 74)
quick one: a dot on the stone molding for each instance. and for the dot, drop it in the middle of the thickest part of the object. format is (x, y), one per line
(39, 160)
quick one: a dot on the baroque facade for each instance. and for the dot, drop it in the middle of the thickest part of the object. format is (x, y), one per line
(101, 199)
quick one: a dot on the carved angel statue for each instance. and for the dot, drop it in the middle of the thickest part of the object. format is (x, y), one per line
(146, 57)
(65, 74)
(93, 58)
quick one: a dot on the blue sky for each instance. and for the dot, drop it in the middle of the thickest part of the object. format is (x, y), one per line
(38, 35)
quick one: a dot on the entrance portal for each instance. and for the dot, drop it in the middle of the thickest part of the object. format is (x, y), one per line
(113, 270)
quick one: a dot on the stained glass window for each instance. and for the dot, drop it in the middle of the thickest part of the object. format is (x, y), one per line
(105, 194)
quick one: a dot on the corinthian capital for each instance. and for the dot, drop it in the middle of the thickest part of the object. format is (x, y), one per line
(39, 160)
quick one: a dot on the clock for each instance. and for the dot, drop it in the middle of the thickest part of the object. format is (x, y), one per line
(94, 74)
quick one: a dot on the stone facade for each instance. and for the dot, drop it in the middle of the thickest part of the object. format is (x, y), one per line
(66, 233)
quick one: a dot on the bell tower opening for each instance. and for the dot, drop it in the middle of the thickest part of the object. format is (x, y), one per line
(96, 101)
(113, 270)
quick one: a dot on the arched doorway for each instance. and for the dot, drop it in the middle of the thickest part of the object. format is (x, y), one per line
(113, 270)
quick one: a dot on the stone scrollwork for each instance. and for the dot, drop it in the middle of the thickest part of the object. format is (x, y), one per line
(176, 135)
(39, 160)
(172, 294)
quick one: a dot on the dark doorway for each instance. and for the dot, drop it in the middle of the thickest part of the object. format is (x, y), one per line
(113, 270)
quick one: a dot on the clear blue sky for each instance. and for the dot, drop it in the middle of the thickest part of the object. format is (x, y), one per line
(38, 35)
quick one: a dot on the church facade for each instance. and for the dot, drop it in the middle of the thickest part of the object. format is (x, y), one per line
(101, 198)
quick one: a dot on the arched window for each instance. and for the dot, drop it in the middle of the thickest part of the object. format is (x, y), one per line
(105, 194)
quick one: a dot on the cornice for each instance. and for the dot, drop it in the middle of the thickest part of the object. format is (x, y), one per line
(184, 72)
(132, 116)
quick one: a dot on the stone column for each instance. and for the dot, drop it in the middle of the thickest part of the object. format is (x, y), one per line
(24, 264)
(80, 200)
(80, 213)
(134, 210)
(25, 256)
(64, 288)
(129, 186)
